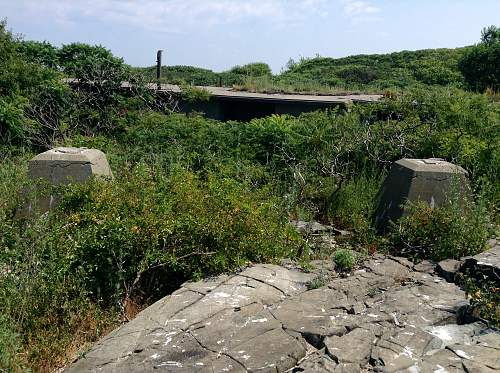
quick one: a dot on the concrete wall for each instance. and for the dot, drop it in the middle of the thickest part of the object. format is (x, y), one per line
(245, 110)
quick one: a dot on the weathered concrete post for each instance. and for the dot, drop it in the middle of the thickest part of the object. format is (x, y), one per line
(62, 166)
(69, 165)
(429, 180)
(158, 69)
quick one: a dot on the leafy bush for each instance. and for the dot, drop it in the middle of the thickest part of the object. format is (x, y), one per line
(317, 282)
(22, 85)
(353, 205)
(36, 105)
(452, 231)
(344, 260)
(353, 74)
(9, 347)
(252, 69)
(188, 225)
(42, 53)
(71, 273)
(194, 94)
(428, 72)
(480, 66)
(379, 71)
(182, 75)
(484, 297)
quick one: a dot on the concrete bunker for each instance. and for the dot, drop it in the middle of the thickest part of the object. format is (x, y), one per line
(246, 110)
(228, 104)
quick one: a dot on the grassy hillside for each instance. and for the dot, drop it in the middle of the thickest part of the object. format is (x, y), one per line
(361, 72)
(400, 69)
(204, 77)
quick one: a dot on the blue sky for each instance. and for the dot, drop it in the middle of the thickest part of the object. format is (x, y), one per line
(219, 34)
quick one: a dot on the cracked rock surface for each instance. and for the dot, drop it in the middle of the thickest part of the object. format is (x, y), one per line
(388, 316)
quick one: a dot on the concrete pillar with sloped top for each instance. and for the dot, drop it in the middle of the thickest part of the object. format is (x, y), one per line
(63, 166)
(430, 180)
(69, 165)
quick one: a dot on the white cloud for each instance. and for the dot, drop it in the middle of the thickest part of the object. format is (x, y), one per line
(355, 8)
(175, 15)
(190, 15)
(361, 12)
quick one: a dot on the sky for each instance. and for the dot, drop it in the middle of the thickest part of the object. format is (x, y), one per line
(219, 34)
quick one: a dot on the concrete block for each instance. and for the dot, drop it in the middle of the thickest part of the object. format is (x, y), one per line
(61, 166)
(430, 180)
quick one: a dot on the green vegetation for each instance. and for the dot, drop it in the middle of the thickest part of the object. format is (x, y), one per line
(481, 65)
(317, 282)
(182, 75)
(367, 73)
(442, 233)
(344, 260)
(485, 298)
(394, 70)
(190, 75)
(194, 94)
(193, 197)
(256, 69)
(475, 67)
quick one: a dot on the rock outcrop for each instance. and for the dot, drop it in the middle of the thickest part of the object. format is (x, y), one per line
(388, 316)
(485, 266)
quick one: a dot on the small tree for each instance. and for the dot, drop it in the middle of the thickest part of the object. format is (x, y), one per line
(481, 65)
(255, 69)
(42, 53)
(31, 95)
(99, 76)
(490, 35)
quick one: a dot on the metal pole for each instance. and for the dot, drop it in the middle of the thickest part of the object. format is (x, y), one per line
(158, 69)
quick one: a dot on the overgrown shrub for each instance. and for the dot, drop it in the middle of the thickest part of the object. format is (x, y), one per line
(71, 273)
(353, 204)
(194, 94)
(252, 69)
(9, 347)
(451, 231)
(23, 88)
(484, 297)
(344, 260)
(42, 53)
(481, 64)
(433, 67)
(188, 225)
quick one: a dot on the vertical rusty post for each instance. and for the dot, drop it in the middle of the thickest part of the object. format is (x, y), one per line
(158, 69)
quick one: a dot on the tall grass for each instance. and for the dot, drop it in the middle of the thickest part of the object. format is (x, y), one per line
(266, 84)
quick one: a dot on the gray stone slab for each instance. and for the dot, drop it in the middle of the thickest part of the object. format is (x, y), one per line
(485, 265)
(384, 317)
(449, 268)
(354, 347)
(317, 362)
